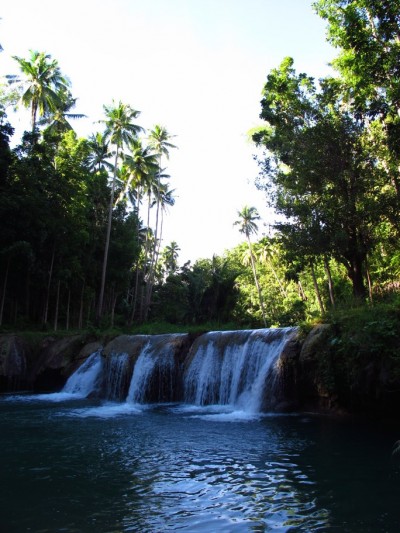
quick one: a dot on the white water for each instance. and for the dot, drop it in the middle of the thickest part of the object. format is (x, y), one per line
(233, 371)
(233, 368)
(156, 360)
(116, 373)
(87, 378)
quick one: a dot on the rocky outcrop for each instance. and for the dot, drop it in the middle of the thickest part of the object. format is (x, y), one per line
(121, 354)
(14, 356)
(57, 359)
(315, 381)
(43, 365)
(315, 374)
(285, 398)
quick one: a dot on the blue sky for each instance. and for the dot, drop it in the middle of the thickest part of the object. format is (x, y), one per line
(195, 66)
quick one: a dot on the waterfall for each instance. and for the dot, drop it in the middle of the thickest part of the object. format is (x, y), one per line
(234, 368)
(230, 368)
(117, 373)
(87, 378)
(156, 376)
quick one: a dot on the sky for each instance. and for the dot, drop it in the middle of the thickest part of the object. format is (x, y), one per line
(196, 67)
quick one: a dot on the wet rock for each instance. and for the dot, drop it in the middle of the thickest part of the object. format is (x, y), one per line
(57, 359)
(14, 356)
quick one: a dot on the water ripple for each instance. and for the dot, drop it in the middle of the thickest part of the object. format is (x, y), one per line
(160, 470)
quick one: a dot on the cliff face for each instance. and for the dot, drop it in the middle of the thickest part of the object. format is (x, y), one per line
(318, 376)
(313, 374)
(14, 356)
(40, 367)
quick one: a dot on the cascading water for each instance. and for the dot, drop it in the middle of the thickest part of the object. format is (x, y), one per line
(117, 373)
(233, 368)
(156, 375)
(230, 368)
(87, 379)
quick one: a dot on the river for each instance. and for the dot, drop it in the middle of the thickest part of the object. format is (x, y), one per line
(78, 465)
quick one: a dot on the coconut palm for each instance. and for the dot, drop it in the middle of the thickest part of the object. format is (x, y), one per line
(141, 164)
(41, 84)
(57, 120)
(170, 256)
(166, 200)
(248, 226)
(159, 140)
(120, 130)
(99, 156)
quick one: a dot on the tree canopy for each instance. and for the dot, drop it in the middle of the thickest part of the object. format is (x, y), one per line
(82, 218)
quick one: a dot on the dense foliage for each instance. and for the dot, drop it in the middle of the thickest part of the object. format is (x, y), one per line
(81, 219)
(330, 162)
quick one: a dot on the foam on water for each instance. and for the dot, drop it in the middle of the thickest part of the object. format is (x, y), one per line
(107, 410)
(215, 413)
(233, 416)
(48, 397)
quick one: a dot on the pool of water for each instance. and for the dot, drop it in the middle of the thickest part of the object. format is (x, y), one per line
(71, 465)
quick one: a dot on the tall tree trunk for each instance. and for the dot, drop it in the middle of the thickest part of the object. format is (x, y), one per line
(316, 288)
(146, 267)
(28, 293)
(68, 308)
(157, 255)
(16, 312)
(3, 296)
(330, 282)
(369, 281)
(136, 285)
(302, 294)
(46, 306)
(57, 306)
(253, 266)
(80, 319)
(91, 304)
(113, 304)
(356, 276)
(107, 245)
(154, 255)
(134, 296)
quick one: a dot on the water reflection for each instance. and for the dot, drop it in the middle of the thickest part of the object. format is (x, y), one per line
(90, 467)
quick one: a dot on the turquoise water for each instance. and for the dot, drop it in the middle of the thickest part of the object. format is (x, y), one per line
(72, 465)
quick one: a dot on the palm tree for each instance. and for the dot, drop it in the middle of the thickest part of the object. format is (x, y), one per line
(265, 252)
(58, 119)
(166, 200)
(159, 140)
(140, 163)
(140, 169)
(99, 156)
(41, 85)
(120, 130)
(247, 226)
(170, 255)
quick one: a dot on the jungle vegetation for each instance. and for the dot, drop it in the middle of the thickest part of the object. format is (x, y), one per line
(81, 218)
